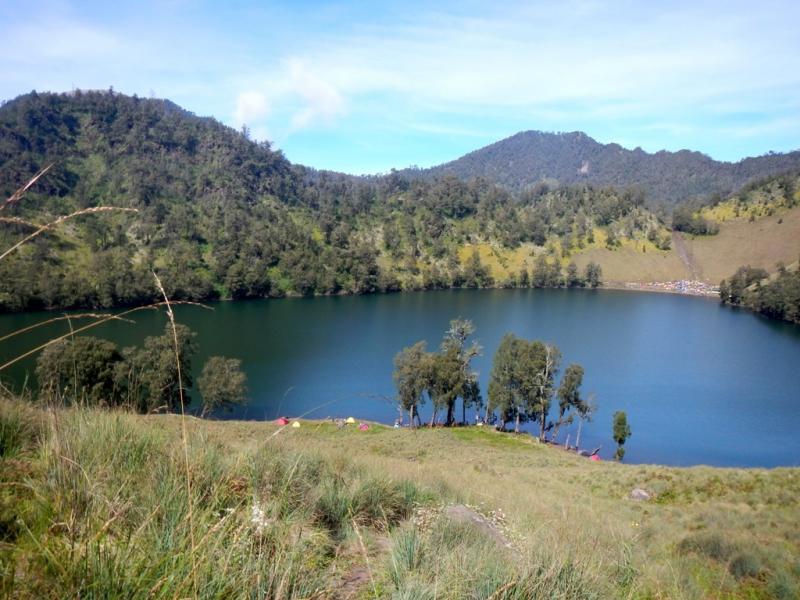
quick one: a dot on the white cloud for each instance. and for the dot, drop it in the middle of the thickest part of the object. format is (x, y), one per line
(251, 107)
(321, 101)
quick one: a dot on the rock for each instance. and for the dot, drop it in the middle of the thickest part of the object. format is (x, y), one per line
(463, 514)
(640, 495)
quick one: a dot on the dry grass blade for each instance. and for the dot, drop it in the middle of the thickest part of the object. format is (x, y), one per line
(64, 318)
(18, 221)
(62, 219)
(17, 196)
(185, 440)
(153, 306)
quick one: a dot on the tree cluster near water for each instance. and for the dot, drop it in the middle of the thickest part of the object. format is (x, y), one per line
(90, 371)
(523, 383)
(522, 387)
(440, 377)
(777, 297)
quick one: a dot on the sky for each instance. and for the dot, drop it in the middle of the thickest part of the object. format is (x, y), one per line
(367, 86)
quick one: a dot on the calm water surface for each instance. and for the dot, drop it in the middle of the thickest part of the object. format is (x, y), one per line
(701, 383)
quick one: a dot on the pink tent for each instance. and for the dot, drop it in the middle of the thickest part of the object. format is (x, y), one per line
(595, 457)
(282, 421)
(363, 427)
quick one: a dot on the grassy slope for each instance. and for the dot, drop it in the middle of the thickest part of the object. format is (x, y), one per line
(100, 506)
(760, 243)
(763, 242)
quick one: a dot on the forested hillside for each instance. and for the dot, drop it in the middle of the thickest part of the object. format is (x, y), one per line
(223, 217)
(220, 216)
(530, 157)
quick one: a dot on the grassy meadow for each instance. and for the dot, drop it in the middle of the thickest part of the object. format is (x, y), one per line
(101, 504)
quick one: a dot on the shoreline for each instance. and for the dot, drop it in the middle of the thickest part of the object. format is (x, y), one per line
(683, 287)
(697, 289)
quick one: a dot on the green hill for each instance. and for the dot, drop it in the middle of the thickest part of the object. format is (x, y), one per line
(98, 504)
(530, 157)
(220, 216)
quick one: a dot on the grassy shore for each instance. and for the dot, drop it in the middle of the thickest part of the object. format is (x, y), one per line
(98, 504)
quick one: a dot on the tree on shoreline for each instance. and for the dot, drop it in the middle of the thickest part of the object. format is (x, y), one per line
(521, 385)
(622, 431)
(444, 376)
(222, 384)
(569, 398)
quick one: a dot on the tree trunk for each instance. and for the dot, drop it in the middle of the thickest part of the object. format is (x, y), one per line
(578, 439)
(463, 411)
(516, 423)
(411, 417)
(433, 418)
(543, 418)
(554, 434)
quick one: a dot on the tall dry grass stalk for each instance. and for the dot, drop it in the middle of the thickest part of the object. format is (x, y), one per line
(184, 437)
(63, 219)
(63, 318)
(17, 196)
(98, 320)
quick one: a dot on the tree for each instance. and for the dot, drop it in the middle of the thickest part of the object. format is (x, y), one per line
(222, 384)
(545, 359)
(524, 279)
(504, 385)
(521, 384)
(573, 279)
(151, 372)
(79, 371)
(622, 432)
(476, 274)
(569, 397)
(455, 343)
(411, 378)
(593, 275)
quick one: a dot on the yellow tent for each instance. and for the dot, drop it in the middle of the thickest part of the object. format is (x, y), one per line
(296, 424)
(350, 421)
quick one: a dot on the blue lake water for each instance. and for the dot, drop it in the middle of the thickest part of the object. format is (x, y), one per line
(701, 383)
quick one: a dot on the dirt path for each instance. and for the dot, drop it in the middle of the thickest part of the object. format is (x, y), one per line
(686, 256)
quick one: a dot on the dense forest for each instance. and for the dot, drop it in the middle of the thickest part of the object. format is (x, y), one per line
(529, 157)
(220, 216)
(777, 297)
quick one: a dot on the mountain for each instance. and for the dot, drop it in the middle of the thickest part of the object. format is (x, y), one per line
(530, 157)
(221, 216)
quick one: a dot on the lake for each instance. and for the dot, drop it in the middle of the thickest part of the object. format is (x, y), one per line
(701, 383)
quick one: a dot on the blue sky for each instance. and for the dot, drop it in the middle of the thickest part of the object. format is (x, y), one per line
(364, 87)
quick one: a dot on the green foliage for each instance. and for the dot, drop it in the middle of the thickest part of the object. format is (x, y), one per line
(777, 297)
(79, 371)
(410, 377)
(522, 379)
(621, 432)
(222, 383)
(593, 275)
(569, 397)
(476, 274)
(20, 427)
(445, 375)
(519, 162)
(222, 216)
(684, 219)
(149, 374)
